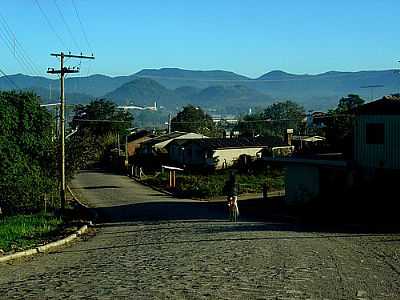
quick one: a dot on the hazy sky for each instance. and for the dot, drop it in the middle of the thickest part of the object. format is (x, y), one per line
(248, 37)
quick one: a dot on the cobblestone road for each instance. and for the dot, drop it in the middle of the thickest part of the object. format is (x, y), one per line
(154, 247)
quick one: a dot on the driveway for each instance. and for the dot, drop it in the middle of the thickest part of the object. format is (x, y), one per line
(152, 246)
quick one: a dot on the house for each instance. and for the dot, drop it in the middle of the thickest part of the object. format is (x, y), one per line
(308, 177)
(135, 140)
(158, 145)
(377, 135)
(218, 153)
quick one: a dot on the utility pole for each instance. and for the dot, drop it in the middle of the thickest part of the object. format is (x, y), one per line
(169, 122)
(62, 71)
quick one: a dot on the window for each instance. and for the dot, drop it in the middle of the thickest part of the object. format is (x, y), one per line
(375, 133)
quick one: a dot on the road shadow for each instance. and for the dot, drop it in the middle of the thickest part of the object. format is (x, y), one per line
(99, 187)
(268, 217)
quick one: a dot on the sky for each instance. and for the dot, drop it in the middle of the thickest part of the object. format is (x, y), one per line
(247, 37)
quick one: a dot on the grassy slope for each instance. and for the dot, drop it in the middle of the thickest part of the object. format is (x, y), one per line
(25, 231)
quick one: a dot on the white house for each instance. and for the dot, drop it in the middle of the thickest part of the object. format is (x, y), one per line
(218, 153)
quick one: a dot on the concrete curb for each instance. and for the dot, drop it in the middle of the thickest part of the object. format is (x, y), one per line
(153, 187)
(47, 247)
(76, 198)
(90, 210)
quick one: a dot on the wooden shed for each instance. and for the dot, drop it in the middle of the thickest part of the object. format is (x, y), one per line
(377, 134)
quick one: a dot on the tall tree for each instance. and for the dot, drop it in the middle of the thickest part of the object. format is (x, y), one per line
(97, 124)
(339, 128)
(27, 152)
(194, 119)
(273, 120)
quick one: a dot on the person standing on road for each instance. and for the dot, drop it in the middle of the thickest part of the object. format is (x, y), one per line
(231, 191)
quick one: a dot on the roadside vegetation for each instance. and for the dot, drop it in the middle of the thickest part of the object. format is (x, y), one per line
(29, 185)
(25, 231)
(211, 186)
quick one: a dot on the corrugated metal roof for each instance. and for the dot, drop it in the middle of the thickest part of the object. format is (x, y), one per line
(388, 105)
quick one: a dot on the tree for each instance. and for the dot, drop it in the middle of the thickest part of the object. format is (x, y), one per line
(273, 120)
(194, 119)
(339, 128)
(97, 124)
(349, 104)
(27, 152)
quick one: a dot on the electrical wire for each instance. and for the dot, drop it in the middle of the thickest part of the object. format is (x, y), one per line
(51, 25)
(67, 26)
(9, 79)
(18, 49)
(82, 27)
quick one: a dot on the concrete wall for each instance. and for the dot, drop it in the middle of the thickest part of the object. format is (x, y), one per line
(226, 157)
(371, 156)
(302, 183)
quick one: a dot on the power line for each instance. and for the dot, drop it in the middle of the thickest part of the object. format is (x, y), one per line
(19, 59)
(10, 36)
(66, 25)
(9, 79)
(51, 25)
(81, 25)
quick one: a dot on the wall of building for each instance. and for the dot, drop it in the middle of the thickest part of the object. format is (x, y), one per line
(386, 155)
(226, 157)
(302, 183)
(135, 145)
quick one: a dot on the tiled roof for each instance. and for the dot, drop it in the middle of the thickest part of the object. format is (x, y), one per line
(388, 105)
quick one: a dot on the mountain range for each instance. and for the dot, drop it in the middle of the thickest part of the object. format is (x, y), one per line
(173, 87)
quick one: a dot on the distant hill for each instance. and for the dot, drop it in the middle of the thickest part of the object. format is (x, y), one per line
(237, 96)
(177, 86)
(190, 74)
(54, 96)
(144, 91)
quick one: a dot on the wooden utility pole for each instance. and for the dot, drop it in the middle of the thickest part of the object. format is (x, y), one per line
(62, 71)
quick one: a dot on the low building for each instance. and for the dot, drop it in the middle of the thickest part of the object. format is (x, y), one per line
(158, 145)
(377, 135)
(218, 153)
(135, 140)
(307, 178)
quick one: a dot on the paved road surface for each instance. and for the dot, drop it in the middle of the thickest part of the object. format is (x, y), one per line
(151, 246)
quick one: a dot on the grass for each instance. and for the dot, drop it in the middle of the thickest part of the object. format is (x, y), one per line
(201, 186)
(25, 231)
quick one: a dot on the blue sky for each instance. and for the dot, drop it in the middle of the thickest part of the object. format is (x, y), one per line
(248, 37)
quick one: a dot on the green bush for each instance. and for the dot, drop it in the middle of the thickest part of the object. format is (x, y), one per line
(27, 153)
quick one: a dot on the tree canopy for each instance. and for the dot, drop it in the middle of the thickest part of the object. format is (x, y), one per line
(340, 127)
(273, 120)
(27, 152)
(194, 119)
(97, 125)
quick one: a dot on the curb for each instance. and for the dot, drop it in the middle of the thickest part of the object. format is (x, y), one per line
(153, 187)
(90, 210)
(47, 247)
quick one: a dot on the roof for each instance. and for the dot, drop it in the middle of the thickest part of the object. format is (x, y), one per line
(388, 105)
(306, 138)
(309, 161)
(220, 143)
(164, 140)
(139, 134)
(164, 137)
